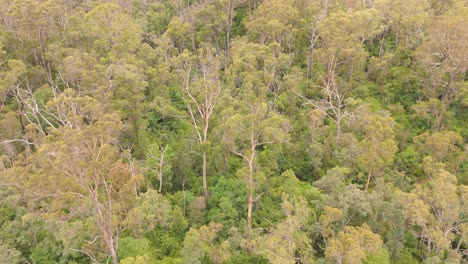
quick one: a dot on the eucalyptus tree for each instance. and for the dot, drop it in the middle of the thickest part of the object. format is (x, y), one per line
(202, 86)
(378, 148)
(251, 122)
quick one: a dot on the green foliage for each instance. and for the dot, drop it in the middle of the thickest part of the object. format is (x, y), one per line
(405, 258)
(9, 254)
(353, 245)
(164, 243)
(202, 245)
(192, 251)
(287, 242)
(7, 213)
(288, 183)
(410, 161)
(378, 148)
(233, 131)
(225, 213)
(48, 251)
(158, 17)
(133, 247)
(137, 260)
(231, 193)
(248, 259)
(153, 209)
(381, 257)
(432, 260)
(352, 201)
(272, 22)
(434, 207)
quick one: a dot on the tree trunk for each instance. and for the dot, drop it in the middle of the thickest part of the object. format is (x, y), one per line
(338, 130)
(369, 175)
(104, 221)
(250, 198)
(161, 166)
(310, 59)
(160, 183)
(20, 117)
(229, 26)
(205, 187)
(439, 118)
(228, 41)
(113, 251)
(249, 212)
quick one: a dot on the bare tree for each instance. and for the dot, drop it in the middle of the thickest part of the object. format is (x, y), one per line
(335, 104)
(161, 166)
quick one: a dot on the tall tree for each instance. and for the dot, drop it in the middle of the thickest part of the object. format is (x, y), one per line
(342, 36)
(353, 245)
(202, 86)
(252, 122)
(215, 21)
(314, 13)
(444, 57)
(406, 19)
(336, 104)
(444, 146)
(287, 242)
(378, 148)
(79, 166)
(274, 21)
(247, 128)
(437, 211)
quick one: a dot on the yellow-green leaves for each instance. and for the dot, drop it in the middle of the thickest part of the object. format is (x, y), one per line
(378, 148)
(205, 240)
(444, 57)
(342, 35)
(273, 21)
(111, 29)
(36, 21)
(352, 245)
(79, 166)
(444, 146)
(243, 132)
(153, 209)
(328, 220)
(437, 210)
(407, 19)
(10, 73)
(287, 242)
(178, 31)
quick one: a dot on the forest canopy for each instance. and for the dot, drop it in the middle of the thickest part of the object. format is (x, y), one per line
(233, 131)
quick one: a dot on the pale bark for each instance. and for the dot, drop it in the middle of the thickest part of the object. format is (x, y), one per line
(250, 181)
(369, 176)
(205, 186)
(161, 167)
(314, 36)
(201, 108)
(334, 105)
